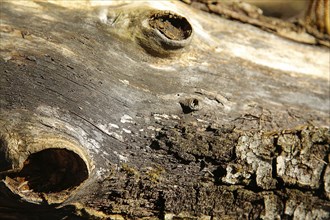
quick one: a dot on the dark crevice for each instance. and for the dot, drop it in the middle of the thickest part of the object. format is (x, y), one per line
(300, 188)
(160, 205)
(197, 194)
(253, 186)
(278, 149)
(279, 181)
(179, 157)
(218, 174)
(320, 192)
(235, 194)
(210, 129)
(233, 155)
(155, 145)
(210, 147)
(299, 135)
(258, 207)
(4, 163)
(186, 109)
(286, 217)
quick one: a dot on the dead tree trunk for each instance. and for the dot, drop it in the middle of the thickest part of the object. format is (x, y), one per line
(139, 112)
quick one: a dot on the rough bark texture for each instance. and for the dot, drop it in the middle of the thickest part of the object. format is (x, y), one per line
(228, 123)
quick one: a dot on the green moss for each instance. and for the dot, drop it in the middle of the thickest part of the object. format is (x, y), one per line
(154, 174)
(130, 170)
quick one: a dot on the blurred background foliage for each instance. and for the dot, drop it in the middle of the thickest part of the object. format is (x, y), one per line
(283, 9)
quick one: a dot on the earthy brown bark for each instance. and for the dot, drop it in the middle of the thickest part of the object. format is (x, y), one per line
(225, 122)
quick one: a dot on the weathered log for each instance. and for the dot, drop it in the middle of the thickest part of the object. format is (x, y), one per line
(135, 111)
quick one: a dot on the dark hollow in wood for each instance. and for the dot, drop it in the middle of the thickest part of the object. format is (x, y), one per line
(174, 27)
(53, 170)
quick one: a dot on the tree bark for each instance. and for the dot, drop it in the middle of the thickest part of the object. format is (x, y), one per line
(104, 117)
